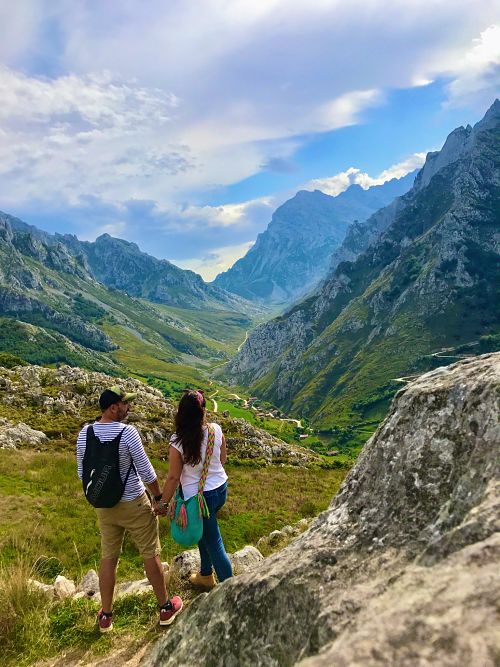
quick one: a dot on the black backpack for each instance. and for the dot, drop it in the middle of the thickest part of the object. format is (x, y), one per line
(102, 484)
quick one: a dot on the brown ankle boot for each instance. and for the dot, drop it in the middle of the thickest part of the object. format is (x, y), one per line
(206, 582)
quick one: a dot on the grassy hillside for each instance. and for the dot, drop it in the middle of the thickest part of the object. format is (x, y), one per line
(44, 511)
(423, 294)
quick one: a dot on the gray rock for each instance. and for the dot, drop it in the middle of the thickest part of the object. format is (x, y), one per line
(13, 436)
(246, 559)
(48, 589)
(132, 588)
(402, 569)
(80, 595)
(89, 583)
(64, 588)
(185, 564)
(275, 537)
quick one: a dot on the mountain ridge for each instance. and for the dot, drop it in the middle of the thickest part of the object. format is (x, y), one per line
(427, 280)
(121, 264)
(292, 254)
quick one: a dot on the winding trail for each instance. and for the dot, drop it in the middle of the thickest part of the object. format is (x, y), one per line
(243, 343)
(211, 397)
(437, 355)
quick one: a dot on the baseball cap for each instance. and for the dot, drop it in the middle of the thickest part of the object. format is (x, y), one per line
(113, 395)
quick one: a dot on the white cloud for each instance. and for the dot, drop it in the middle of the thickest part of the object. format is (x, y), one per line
(477, 75)
(164, 101)
(334, 185)
(400, 169)
(344, 110)
(227, 215)
(218, 260)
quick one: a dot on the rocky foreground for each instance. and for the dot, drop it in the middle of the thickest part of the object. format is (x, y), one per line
(44, 408)
(402, 569)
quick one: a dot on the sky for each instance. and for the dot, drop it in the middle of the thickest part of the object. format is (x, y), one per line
(182, 125)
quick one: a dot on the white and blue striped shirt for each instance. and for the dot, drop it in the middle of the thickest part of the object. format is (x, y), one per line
(130, 450)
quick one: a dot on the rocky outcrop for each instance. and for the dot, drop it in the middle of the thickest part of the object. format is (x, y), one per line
(43, 395)
(402, 569)
(16, 303)
(13, 436)
(293, 254)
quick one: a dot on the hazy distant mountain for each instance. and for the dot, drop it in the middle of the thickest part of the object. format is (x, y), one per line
(428, 279)
(294, 252)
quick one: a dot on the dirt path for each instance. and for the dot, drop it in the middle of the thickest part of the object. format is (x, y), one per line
(129, 654)
(211, 397)
(243, 343)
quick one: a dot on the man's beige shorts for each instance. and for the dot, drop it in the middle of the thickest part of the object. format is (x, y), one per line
(134, 516)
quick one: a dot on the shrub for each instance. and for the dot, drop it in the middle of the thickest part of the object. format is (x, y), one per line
(8, 360)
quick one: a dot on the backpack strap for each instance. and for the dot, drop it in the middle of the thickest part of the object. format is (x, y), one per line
(132, 464)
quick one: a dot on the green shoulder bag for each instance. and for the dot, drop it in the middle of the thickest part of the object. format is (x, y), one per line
(186, 518)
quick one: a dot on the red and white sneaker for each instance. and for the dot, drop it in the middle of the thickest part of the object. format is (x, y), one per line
(170, 610)
(104, 621)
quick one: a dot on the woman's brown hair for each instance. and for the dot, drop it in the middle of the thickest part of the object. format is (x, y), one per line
(189, 422)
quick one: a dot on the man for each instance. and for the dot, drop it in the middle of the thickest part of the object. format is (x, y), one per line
(133, 512)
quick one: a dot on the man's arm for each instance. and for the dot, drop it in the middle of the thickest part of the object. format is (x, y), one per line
(142, 463)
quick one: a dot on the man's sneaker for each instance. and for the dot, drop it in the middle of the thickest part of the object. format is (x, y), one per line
(204, 581)
(170, 610)
(104, 621)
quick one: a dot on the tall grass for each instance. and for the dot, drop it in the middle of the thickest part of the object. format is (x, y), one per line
(24, 614)
(34, 626)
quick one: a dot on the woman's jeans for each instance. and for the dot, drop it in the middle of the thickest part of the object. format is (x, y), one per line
(212, 552)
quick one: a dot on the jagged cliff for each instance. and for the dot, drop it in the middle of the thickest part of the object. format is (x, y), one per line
(293, 254)
(402, 569)
(424, 276)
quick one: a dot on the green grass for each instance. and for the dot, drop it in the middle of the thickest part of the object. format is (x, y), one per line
(286, 431)
(142, 358)
(47, 528)
(34, 628)
(42, 506)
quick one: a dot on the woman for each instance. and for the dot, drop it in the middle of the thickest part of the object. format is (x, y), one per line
(186, 456)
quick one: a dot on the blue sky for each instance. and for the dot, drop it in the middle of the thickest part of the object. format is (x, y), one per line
(183, 125)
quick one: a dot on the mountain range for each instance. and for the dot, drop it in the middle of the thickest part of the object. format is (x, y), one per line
(414, 285)
(294, 252)
(55, 307)
(120, 264)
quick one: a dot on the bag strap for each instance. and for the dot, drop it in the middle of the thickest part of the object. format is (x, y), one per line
(208, 456)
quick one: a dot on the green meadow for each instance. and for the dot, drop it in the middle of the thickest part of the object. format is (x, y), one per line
(43, 512)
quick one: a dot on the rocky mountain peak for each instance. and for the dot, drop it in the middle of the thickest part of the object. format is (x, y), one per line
(294, 252)
(418, 276)
(458, 144)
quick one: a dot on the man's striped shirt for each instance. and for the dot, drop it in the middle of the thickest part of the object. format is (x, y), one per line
(130, 450)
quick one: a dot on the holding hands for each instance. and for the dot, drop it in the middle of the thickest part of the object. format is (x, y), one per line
(160, 508)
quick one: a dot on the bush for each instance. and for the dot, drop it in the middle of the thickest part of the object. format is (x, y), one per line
(8, 360)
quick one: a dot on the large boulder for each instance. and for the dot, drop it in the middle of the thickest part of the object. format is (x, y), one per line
(402, 569)
(14, 436)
